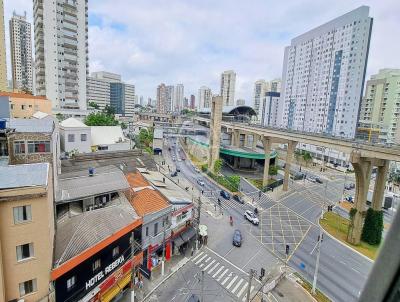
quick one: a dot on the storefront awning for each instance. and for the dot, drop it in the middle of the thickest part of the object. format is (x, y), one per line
(188, 234)
(178, 241)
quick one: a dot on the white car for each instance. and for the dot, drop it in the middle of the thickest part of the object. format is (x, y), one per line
(311, 179)
(250, 216)
(197, 170)
(201, 182)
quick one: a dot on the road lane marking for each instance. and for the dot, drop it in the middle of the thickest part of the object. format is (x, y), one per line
(222, 275)
(231, 283)
(201, 259)
(299, 243)
(242, 290)
(197, 256)
(252, 257)
(213, 268)
(237, 286)
(226, 279)
(218, 271)
(208, 266)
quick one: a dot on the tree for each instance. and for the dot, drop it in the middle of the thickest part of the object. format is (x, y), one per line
(218, 166)
(273, 170)
(307, 157)
(123, 125)
(373, 227)
(93, 105)
(109, 110)
(297, 155)
(146, 137)
(100, 119)
(60, 117)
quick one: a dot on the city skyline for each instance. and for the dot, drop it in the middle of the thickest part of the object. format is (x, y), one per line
(254, 52)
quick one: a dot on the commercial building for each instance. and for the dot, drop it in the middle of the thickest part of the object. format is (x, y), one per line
(61, 51)
(98, 92)
(380, 106)
(162, 99)
(323, 75)
(3, 66)
(270, 107)
(75, 136)
(21, 53)
(23, 105)
(26, 232)
(122, 98)
(179, 97)
(228, 82)
(96, 230)
(205, 97)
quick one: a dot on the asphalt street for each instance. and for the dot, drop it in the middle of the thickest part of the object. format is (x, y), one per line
(292, 221)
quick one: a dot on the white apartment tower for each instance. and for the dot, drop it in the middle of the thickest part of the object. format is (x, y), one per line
(179, 95)
(61, 51)
(21, 53)
(228, 81)
(260, 87)
(3, 65)
(161, 102)
(323, 75)
(205, 98)
(169, 98)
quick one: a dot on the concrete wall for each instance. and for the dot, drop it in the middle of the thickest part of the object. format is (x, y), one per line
(25, 107)
(78, 144)
(40, 231)
(198, 151)
(149, 221)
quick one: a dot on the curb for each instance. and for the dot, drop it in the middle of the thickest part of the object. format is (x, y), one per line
(344, 244)
(173, 271)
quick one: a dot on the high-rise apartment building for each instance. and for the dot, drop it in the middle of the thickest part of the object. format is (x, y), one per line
(323, 75)
(61, 51)
(162, 99)
(228, 81)
(260, 87)
(3, 66)
(274, 85)
(106, 88)
(380, 106)
(21, 53)
(179, 97)
(169, 98)
(192, 101)
(205, 98)
(270, 109)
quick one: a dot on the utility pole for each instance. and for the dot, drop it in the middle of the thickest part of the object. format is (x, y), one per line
(249, 285)
(202, 286)
(198, 223)
(133, 267)
(317, 263)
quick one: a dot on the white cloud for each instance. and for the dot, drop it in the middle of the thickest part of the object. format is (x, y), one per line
(192, 42)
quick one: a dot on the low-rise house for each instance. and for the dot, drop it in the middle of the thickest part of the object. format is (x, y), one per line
(108, 138)
(26, 232)
(96, 229)
(156, 212)
(24, 105)
(75, 136)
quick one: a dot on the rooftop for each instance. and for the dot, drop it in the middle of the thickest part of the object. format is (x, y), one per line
(72, 123)
(23, 95)
(145, 199)
(79, 233)
(78, 184)
(27, 175)
(31, 125)
(106, 135)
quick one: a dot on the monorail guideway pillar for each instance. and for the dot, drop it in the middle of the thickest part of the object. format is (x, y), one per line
(380, 184)
(267, 150)
(215, 131)
(291, 145)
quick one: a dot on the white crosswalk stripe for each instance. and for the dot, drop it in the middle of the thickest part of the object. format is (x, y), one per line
(228, 277)
(213, 268)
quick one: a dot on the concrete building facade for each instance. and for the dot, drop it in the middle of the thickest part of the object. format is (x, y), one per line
(98, 91)
(179, 97)
(25, 105)
(75, 135)
(26, 232)
(380, 105)
(169, 98)
(260, 87)
(3, 65)
(61, 51)
(192, 104)
(21, 53)
(161, 102)
(270, 105)
(205, 98)
(323, 75)
(228, 82)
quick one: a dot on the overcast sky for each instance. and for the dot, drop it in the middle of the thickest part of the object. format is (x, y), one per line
(192, 42)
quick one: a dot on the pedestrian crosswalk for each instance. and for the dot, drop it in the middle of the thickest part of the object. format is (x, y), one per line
(232, 279)
(227, 204)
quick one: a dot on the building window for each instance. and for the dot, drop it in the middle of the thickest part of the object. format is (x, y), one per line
(155, 228)
(38, 147)
(115, 251)
(71, 138)
(22, 214)
(83, 137)
(96, 265)
(23, 107)
(71, 282)
(27, 287)
(19, 147)
(24, 251)
(102, 148)
(147, 231)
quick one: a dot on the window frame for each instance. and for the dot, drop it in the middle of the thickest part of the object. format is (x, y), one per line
(32, 284)
(21, 249)
(69, 136)
(20, 144)
(25, 212)
(36, 145)
(85, 136)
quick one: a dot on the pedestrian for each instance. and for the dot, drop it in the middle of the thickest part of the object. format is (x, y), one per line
(192, 251)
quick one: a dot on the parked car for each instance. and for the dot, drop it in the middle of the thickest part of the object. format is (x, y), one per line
(237, 238)
(349, 199)
(197, 170)
(173, 174)
(238, 199)
(349, 186)
(225, 194)
(201, 182)
(311, 178)
(193, 298)
(250, 216)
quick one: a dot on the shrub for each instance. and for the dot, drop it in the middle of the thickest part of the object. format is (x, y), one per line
(373, 227)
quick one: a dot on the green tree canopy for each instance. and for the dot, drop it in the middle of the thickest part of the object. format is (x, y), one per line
(218, 166)
(93, 105)
(100, 119)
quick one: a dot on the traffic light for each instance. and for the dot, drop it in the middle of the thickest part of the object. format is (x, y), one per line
(287, 249)
(262, 273)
